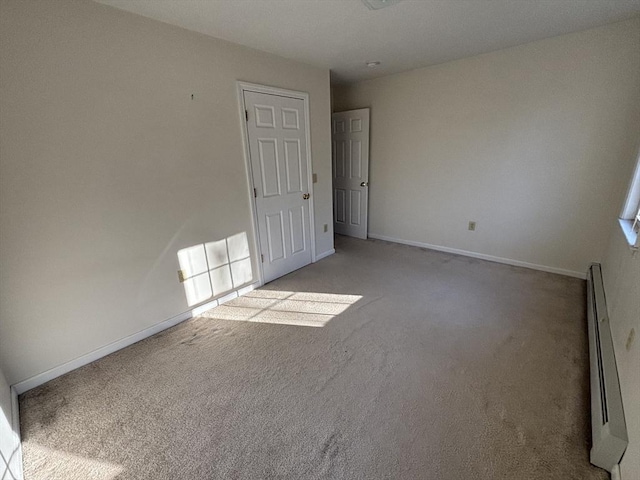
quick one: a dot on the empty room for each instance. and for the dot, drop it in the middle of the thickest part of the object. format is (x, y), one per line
(319, 239)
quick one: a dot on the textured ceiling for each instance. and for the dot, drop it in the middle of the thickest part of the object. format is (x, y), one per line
(344, 34)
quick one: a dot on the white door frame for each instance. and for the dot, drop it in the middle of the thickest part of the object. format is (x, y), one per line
(253, 87)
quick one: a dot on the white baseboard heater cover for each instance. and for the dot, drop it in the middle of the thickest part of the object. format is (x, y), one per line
(608, 428)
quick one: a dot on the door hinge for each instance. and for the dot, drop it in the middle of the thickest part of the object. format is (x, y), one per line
(262, 257)
(255, 193)
(246, 115)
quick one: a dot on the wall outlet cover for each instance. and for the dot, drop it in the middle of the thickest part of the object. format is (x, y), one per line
(181, 276)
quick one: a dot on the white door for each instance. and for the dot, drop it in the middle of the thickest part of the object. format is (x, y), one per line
(351, 172)
(278, 150)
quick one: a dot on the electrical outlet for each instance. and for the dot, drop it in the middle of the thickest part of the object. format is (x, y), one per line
(326, 227)
(182, 276)
(472, 226)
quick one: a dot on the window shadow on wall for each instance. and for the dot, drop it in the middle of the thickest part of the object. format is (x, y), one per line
(210, 270)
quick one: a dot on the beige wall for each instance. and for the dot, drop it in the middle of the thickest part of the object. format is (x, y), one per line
(108, 168)
(621, 271)
(526, 141)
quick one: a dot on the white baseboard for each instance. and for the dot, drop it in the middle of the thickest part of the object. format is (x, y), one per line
(203, 308)
(55, 372)
(325, 254)
(482, 256)
(83, 360)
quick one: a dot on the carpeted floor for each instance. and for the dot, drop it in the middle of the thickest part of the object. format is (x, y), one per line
(382, 361)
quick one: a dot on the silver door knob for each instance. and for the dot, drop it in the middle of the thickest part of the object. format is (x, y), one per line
(364, 184)
(306, 196)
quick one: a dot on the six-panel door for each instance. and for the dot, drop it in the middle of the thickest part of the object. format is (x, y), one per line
(277, 146)
(350, 132)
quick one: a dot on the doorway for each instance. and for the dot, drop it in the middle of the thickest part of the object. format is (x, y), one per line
(350, 135)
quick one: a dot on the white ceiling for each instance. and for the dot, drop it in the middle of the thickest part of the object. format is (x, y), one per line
(344, 34)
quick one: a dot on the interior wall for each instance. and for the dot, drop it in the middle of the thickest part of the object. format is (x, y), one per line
(528, 142)
(621, 275)
(109, 167)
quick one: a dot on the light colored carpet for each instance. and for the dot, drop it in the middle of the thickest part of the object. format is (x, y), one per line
(380, 362)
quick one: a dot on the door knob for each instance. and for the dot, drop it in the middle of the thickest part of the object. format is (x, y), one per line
(364, 184)
(306, 196)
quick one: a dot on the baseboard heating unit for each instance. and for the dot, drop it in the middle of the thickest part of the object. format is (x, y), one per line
(608, 428)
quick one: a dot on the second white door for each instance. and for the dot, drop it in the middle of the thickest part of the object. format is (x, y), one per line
(350, 132)
(277, 146)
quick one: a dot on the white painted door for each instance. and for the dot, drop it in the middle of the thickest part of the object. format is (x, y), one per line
(279, 166)
(351, 172)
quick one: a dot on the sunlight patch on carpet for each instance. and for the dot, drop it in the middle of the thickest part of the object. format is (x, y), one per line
(308, 309)
(60, 464)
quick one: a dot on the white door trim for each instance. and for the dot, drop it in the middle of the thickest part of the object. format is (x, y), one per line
(252, 87)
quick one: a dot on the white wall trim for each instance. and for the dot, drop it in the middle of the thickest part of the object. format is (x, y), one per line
(482, 256)
(87, 358)
(632, 200)
(16, 461)
(325, 254)
(632, 238)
